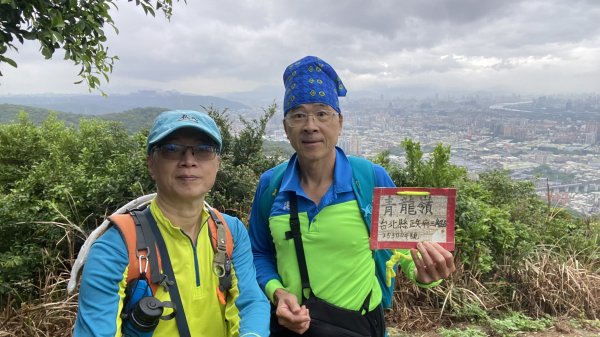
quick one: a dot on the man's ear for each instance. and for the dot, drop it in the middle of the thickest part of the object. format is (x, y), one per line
(150, 165)
(285, 128)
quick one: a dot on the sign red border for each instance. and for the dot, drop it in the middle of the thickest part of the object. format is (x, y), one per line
(383, 191)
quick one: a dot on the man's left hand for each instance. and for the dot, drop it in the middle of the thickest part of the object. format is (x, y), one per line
(433, 263)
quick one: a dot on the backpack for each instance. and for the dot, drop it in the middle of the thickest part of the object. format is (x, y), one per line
(363, 183)
(146, 262)
(223, 248)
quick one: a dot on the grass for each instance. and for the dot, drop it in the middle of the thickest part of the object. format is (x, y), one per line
(513, 324)
(458, 332)
(517, 322)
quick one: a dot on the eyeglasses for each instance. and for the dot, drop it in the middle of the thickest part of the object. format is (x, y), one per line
(201, 152)
(298, 118)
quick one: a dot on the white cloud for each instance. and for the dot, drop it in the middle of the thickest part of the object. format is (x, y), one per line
(243, 45)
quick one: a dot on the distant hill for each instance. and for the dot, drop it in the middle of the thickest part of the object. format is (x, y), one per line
(133, 120)
(9, 112)
(113, 103)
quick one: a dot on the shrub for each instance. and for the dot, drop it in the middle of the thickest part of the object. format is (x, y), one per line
(54, 174)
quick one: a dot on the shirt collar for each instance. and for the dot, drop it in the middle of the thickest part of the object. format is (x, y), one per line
(342, 174)
(165, 223)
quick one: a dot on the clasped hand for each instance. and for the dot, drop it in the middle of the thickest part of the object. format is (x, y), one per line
(289, 313)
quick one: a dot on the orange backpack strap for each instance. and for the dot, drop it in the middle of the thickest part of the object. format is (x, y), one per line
(127, 227)
(213, 232)
(222, 243)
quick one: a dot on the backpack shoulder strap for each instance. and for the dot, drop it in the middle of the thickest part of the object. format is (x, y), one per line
(215, 221)
(222, 244)
(146, 220)
(140, 256)
(363, 183)
(268, 196)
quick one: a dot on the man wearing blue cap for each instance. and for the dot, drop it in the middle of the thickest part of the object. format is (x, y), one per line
(211, 281)
(309, 220)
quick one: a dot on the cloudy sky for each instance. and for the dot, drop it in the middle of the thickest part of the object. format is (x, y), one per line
(400, 46)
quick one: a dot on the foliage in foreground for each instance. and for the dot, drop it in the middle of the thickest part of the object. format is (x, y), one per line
(57, 182)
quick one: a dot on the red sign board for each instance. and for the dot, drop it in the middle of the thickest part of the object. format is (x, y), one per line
(405, 216)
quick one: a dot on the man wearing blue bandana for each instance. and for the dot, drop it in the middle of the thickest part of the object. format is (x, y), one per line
(309, 222)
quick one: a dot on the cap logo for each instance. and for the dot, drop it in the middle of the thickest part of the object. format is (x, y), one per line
(185, 117)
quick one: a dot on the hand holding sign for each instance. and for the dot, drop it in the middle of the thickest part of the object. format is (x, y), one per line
(433, 262)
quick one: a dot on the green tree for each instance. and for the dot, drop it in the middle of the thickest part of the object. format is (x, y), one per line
(396, 173)
(55, 183)
(437, 171)
(75, 26)
(242, 162)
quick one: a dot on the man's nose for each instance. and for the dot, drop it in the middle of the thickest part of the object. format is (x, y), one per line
(188, 156)
(311, 123)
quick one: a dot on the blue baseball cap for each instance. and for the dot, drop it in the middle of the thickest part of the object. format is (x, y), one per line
(170, 121)
(311, 80)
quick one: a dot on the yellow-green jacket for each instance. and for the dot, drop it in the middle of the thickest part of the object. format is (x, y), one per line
(103, 283)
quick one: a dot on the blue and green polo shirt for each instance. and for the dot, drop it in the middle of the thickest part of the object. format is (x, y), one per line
(336, 241)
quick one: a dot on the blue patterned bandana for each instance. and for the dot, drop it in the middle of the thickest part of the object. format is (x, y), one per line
(311, 80)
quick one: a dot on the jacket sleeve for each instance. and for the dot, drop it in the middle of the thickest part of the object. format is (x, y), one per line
(261, 239)
(253, 306)
(102, 288)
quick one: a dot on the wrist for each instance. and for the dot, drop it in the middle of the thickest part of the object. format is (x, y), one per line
(270, 288)
(277, 294)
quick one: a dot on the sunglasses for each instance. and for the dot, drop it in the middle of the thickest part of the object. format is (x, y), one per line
(200, 152)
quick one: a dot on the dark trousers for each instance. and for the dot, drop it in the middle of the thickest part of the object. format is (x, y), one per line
(375, 317)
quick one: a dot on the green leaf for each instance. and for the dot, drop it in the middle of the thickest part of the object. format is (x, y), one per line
(29, 35)
(76, 26)
(9, 61)
(57, 20)
(57, 37)
(47, 52)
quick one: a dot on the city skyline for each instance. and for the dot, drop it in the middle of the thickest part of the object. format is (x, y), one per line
(412, 48)
(550, 137)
